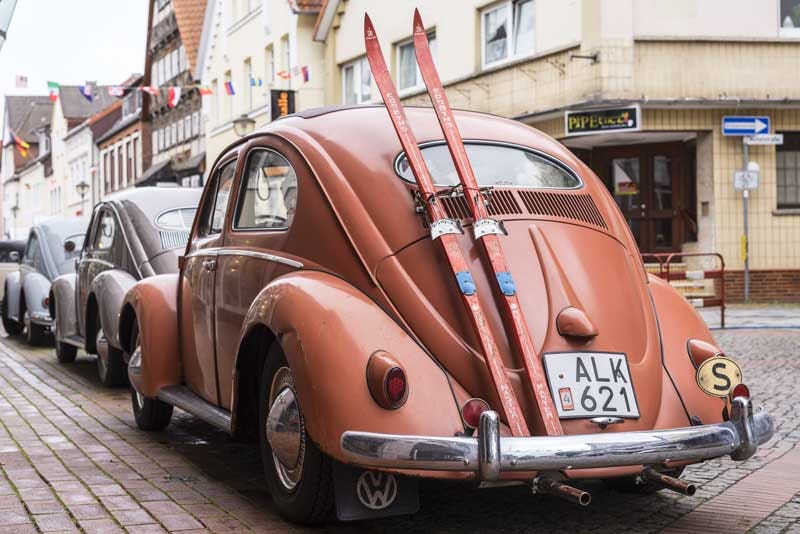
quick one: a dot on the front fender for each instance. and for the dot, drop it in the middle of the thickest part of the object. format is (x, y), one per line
(12, 294)
(328, 330)
(152, 305)
(36, 288)
(680, 322)
(109, 289)
(62, 305)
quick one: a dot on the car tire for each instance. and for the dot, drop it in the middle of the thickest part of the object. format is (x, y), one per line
(113, 371)
(304, 493)
(152, 415)
(65, 353)
(633, 486)
(12, 327)
(35, 334)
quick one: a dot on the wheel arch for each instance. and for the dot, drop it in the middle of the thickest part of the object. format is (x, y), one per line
(249, 365)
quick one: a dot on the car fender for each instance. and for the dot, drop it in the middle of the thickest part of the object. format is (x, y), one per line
(152, 304)
(62, 305)
(36, 287)
(12, 292)
(109, 289)
(328, 330)
(679, 322)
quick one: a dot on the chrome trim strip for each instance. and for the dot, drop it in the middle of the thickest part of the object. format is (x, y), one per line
(246, 253)
(187, 401)
(489, 454)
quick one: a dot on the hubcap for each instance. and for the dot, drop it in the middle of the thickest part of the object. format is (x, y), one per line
(285, 430)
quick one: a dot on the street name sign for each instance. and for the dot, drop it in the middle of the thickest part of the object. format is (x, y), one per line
(743, 179)
(764, 139)
(744, 125)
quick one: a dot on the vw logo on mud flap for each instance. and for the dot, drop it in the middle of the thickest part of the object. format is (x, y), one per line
(376, 490)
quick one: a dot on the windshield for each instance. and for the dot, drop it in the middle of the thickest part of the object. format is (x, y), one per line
(494, 166)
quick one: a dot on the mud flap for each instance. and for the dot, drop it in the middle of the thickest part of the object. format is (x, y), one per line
(364, 494)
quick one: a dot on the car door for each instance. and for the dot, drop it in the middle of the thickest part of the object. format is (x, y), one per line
(198, 276)
(253, 254)
(97, 257)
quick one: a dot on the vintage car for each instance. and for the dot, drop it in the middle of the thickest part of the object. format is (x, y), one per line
(314, 313)
(132, 235)
(50, 252)
(11, 252)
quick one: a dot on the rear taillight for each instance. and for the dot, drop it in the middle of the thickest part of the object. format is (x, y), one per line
(46, 302)
(740, 390)
(471, 412)
(395, 385)
(386, 380)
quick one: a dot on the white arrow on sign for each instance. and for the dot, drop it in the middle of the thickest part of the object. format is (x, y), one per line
(758, 125)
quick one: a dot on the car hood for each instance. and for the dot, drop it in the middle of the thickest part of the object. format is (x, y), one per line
(555, 266)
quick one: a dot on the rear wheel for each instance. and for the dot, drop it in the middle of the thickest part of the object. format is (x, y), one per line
(111, 369)
(34, 333)
(65, 352)
(12, 327)
(150, 414)
(299, 476)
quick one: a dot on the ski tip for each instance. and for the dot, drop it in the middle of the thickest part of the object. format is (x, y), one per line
(419, 27)
(369, 29)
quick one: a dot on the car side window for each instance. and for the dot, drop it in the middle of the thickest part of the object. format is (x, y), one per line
(105, 231)
(269, 196)
(31, 249)
(215, 208)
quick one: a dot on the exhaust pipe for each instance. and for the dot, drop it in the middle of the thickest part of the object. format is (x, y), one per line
(668, 482)
(573, 495)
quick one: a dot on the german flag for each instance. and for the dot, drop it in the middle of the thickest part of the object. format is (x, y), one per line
(21, 145)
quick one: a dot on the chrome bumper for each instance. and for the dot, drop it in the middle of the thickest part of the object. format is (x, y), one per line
(489, 454)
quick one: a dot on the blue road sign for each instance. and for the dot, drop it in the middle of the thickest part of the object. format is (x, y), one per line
(742, 125)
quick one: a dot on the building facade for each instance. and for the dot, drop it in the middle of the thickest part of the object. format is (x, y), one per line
(260, 60)
(646, 85)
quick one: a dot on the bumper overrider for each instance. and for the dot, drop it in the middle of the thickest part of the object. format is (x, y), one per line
(490, 454)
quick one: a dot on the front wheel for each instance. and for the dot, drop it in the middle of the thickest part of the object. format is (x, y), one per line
(12, 327)
(111, 369)
(150, 414)
(299, 476)
(35, 333)
(65, 352)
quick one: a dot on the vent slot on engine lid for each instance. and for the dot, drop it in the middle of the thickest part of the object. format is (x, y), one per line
(578, 207)
(501, 202)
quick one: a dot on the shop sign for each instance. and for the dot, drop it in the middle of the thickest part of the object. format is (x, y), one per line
(282, 103)
(597, 121)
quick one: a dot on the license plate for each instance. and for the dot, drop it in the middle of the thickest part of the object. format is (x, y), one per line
(590, 384)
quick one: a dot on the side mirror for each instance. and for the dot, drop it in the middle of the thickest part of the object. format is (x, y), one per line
(14, 256)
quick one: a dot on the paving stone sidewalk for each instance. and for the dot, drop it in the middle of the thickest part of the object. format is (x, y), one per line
(71, 460)
(754, 316)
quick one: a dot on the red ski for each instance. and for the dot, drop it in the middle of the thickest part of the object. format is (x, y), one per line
(486, 230)
(444, 230)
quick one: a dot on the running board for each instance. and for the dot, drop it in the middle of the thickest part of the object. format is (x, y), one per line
(76, 341)
(190, 402)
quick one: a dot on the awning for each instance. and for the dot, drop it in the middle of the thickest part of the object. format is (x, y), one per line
(193, 165)
(158, 172)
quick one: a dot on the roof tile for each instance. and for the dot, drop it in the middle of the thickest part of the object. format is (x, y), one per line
(190, 15)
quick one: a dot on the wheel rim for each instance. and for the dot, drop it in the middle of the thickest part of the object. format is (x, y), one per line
(289, 477)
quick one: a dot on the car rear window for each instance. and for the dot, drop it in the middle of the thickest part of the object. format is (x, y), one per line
(495, 166)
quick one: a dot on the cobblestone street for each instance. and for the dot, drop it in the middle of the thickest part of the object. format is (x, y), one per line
(72, 461)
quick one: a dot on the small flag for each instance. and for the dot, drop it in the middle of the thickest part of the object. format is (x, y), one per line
(253, 82)
(116, 90)
(21, 82)
(173, 96)
(260, 81)
(284, 75)
(21, 145)
(229, 88)
(151, 90)
(205, 90)
(52, 90)
(306, 73)
(86, 91)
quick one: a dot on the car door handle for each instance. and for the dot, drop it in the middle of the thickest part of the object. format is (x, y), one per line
(209, 265)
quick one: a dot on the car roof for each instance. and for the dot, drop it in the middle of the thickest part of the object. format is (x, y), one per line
(153, 201)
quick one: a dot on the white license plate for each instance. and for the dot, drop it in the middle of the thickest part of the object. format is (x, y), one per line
(590, 384)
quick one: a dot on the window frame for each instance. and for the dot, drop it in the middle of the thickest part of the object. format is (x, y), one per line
(353, 63)
(510, 37)
(778, 149)
(243, 188)
(420, 83)
(96, 232)
(207, 218)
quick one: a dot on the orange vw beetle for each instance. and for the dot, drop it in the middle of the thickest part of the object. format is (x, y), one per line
(314, 314)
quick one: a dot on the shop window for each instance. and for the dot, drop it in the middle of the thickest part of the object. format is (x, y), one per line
(507, 31)
(356, 82)
(408, 75)
(790, 18)
(788, 169)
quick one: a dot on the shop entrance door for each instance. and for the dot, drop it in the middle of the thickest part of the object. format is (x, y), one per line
(647, 182)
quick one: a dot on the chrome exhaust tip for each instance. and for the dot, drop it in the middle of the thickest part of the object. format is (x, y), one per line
(568, 493)
(667, 482)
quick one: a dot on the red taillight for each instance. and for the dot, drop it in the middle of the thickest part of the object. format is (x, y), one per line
(740, 390)
(46, 302)
(395, 385)
(472, 410)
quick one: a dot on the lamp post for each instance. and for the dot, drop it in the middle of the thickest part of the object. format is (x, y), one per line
(82, 188)
(14, 212)
(244, 125)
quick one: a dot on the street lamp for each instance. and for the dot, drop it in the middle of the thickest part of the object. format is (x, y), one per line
(244, 125)
(14, 211)
(82, 187)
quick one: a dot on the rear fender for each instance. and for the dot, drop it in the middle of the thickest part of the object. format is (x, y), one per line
(109, 289)
(328, 330)
(152, 305)
(12, 294)
(62, 305)
(36, 287)
(680, 322)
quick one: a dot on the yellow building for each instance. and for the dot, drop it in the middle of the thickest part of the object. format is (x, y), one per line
(646, 83)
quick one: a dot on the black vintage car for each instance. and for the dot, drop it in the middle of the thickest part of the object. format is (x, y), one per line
(132, 235)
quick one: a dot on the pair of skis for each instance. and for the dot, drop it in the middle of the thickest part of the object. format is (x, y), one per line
(445, 231)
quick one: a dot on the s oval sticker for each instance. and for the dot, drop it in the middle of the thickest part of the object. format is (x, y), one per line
(718, 376)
